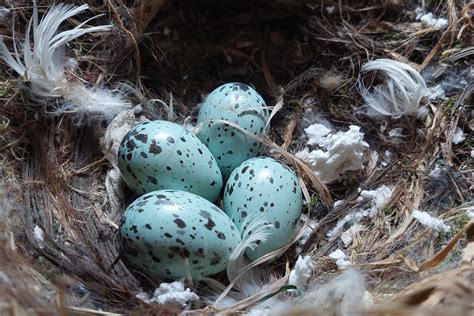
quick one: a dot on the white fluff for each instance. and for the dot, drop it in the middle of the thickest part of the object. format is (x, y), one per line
(428, 20)
(306, 233)
(348, 235)
(4, 12)
(317, 134)
(330, 9)
(44, 65)
(395, 133)
(470, 212)
(472, 153)
(436, 172)
(170, 293)
(39, 235)
(340, 152)
(458, 136)
(353, 217)
(399, 95)
(374, 200)
(377, 199)
(301, 273)
(344, 295)
(429, 221)
(251, 281)
(436, 92)
(340, 258)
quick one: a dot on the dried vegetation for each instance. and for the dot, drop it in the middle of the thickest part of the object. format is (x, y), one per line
(306, 57)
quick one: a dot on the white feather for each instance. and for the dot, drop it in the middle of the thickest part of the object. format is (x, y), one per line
(44, 65)
(248, 280)
(400, 95)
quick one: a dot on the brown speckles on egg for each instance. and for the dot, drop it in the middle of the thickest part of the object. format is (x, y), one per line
(155, 149)
(266, 190)
(210, 224)
(170, 232)
(215, 260)
(152, 180)
(205, 214)
(142, 137)
(180, 223)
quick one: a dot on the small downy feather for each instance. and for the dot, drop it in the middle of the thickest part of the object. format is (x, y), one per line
(44, 65)
(399, 95)
(247, 280)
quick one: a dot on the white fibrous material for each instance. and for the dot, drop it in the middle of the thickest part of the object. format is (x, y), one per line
(340, 152)
(110, 144)
(377, 199)
(317, 134)
(436, 92)
(399, 95)
(429, 221)
(256, 230)
(436, 172)
(4, 279)
(458, 136)
(472, 153)
(470, 212)
(307, 232)
(428, 20)
(422, 112)
(301, 273)
(340, 258)
(348, 235)
(395, 133)
(387, 158)
(45, 67)
(374, 200)
(344, 295)
(4, 12)
(116, 131)
(170, 293)
(354, 217)
(330, 9)
(39, 235)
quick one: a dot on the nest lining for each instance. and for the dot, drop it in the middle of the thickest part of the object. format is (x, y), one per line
(58, 181)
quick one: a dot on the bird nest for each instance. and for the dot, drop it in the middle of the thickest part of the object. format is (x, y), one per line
(59, 249)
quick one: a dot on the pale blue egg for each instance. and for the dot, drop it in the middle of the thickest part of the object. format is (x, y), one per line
(170, 234)
(239, 104)
(270, 189)
(158, 155)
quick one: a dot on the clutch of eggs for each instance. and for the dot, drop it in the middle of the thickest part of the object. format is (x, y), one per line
(239, 104)
(158, 155)
(269, 188)
(171, 234)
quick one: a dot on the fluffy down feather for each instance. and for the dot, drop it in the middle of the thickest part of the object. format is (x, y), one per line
(44, 65)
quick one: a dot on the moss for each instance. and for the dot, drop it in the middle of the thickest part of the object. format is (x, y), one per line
(5, 88)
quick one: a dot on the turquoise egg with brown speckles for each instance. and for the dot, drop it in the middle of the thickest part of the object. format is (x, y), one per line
(171, 234)
(267, 190)
(158, 155)
(240, 104)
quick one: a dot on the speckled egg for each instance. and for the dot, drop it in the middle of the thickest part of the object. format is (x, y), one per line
(269, 188)
(158, 155)
(170, 234)
(242, 105)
